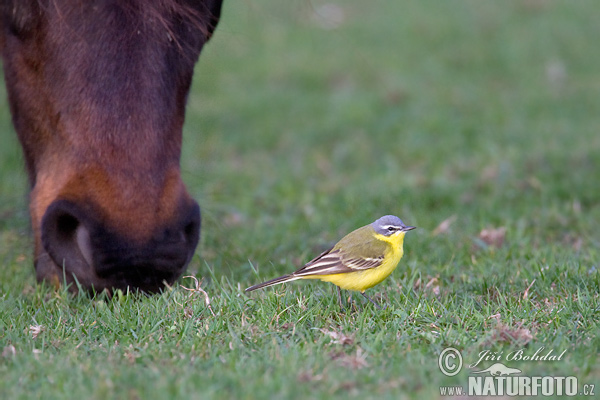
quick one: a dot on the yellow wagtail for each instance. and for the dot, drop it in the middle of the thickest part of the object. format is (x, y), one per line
(361, 260)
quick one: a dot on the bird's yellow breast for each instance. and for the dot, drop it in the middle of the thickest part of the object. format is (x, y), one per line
(362, 280)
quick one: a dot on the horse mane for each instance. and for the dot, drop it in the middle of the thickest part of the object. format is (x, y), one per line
(197, 14)
(19, 15)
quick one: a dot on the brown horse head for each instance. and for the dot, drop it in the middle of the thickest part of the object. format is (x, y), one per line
(97, 91)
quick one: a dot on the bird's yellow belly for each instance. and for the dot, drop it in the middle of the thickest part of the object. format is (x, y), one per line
(364, 279)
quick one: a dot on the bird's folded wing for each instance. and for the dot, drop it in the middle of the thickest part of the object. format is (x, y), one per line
(335, 262)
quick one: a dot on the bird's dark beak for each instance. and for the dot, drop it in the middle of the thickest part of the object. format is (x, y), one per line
(408, 228)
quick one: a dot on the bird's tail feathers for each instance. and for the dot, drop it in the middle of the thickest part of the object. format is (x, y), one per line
(281, 279)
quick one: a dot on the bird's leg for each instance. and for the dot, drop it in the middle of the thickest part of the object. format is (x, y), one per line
(339, 292)
(371, 300)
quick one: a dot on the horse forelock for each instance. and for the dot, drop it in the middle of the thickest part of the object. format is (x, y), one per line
(22, 16)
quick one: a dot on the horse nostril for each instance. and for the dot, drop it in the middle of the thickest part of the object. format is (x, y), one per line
(66, 225)
(65, 237)
(70, 231)
(82, 237)
(192, 229)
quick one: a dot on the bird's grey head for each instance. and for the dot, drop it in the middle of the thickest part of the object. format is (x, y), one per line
(389, 225)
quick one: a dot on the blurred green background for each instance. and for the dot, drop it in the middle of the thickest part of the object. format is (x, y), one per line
(308, 119)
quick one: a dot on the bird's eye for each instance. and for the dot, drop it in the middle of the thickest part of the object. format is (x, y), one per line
(391, 229)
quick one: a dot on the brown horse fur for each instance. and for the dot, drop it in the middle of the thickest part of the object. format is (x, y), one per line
(97, 91)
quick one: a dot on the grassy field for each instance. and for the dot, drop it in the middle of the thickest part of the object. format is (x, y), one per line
(478, 122)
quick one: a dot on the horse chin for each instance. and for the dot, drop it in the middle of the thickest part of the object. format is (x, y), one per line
(134, 279)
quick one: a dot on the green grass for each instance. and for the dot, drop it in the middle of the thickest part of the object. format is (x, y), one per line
(486, 113)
